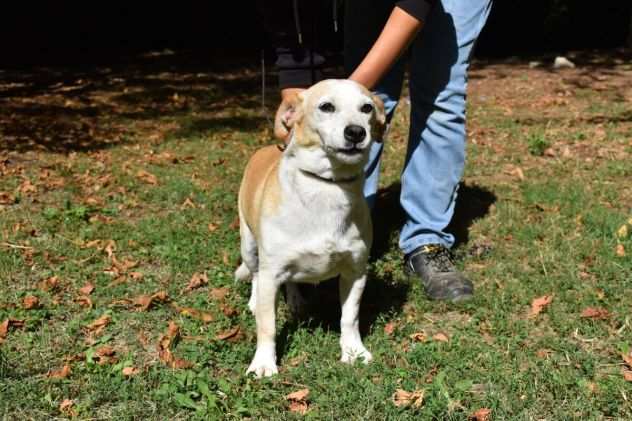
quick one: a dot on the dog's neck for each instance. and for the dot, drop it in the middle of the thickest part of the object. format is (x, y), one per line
(320, 168)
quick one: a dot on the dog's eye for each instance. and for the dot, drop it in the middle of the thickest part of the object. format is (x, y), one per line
(366, 108)
(327, 107)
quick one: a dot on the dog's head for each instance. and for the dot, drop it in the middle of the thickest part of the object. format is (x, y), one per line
(336, 120)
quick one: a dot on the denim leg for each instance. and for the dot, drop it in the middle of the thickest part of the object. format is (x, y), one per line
(364, 20)
(436, 148)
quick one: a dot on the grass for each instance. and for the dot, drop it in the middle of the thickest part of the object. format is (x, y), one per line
(529, 224)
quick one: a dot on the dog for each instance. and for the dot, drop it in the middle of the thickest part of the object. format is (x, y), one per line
(303, 217)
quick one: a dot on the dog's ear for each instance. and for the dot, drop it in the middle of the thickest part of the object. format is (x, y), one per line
(378, 123)
(289, 113)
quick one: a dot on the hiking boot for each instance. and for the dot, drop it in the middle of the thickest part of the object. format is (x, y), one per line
(441, 280)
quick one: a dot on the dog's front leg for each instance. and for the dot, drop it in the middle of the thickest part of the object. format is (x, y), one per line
(351, 288)
(264, 361)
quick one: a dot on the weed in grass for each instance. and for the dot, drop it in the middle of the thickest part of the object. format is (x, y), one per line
(537, 144)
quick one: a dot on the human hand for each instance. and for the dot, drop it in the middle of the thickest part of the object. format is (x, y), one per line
(283, 117)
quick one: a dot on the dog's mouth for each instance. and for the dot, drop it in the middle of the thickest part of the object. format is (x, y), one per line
(354, 150)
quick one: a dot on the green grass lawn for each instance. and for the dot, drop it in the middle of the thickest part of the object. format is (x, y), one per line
(122, 183)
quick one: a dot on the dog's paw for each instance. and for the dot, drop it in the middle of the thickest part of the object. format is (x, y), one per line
(263, 365)
(351, 353)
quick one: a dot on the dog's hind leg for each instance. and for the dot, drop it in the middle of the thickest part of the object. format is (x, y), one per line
(250, 261)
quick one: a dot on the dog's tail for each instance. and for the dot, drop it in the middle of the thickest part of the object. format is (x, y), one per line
(242, 273)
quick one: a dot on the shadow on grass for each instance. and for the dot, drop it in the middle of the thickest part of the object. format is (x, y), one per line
(381, 297)
(472, 203)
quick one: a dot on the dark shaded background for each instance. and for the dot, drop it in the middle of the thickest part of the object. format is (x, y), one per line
(66, 33)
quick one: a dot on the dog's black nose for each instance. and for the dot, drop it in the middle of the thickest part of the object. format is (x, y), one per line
(355, 133)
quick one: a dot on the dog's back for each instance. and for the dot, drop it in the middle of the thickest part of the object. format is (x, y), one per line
(260, 175)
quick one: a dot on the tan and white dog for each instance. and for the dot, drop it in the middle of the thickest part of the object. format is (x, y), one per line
(303, 217)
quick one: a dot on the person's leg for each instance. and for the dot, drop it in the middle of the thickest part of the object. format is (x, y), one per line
(364, 20)
(436, 148)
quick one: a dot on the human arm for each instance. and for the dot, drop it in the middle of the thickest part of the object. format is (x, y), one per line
(399, 31)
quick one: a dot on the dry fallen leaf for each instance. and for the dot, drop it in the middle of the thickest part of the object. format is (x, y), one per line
(197, 280)
(6, 325)
(30, 301)
(298, 401)
(99, 324)
(195, 314)
(595, 313)
(110, 248)
(228, 311)
(164, 347)
(227, 334)
(219, 293)
(538, 304)
(87, 289)
(62, 373)
(627, 359)
(147, 177)
(627, 375)
(6, 198)
(65, 407)
(389, 328)
(105, 355)
(84, 301)
(418, 337)
(482, 414)
(404, 398)
(188, 203)
(144, 302)
(49, 284)
(620, 250)
(441, 337)
(130, 371)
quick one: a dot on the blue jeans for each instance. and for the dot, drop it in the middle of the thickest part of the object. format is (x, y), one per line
(439, 59)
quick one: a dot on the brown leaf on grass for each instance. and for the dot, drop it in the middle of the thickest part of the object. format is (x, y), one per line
(105, 355)
(418, 337)
(6, 198)
(219, 293)
(30, 302)
(228, 311)
(538, 304)
(144, 302)
(403, 398)
(195, 314)
(619, 250)
(84, 301)
(181, 364)
(99, 324)
(517, 172)
(165, 342)
(27, 187)
(49, 284)
(441, 337)
(543, 353)
(87, 289)
(8, 324)
(65, 407)
(147, 177)
(235, 224)
(188, 203)
(212, 227)
(482, 414)
(298, 401)
(62, 373)
(389, 328)
(595, 313)
(130, 371)
(228, 334)
(627, 359)
(627, 375)
(136, 276)
(197, 280)
(110, 248)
